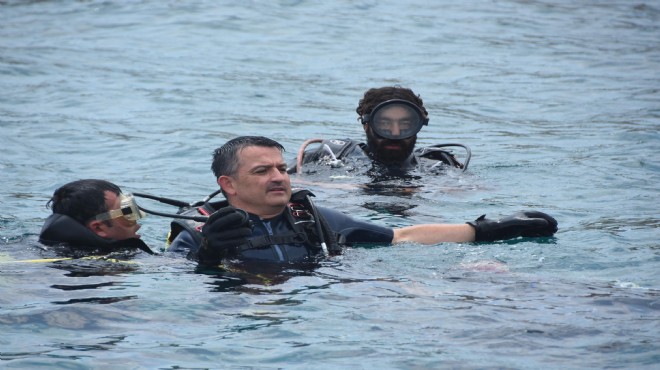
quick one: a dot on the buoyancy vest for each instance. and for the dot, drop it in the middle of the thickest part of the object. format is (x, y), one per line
(306, 227)
(194, 228)
(334, 151)
(62, 229)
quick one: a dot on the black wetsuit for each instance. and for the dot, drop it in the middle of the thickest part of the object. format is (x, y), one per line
(338, 152)
(349, 231)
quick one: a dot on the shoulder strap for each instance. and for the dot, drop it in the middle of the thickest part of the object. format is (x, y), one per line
(309, 227)
(268, 240)
(318, 227)
(299, 236)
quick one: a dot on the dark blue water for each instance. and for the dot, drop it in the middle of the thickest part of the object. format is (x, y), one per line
(557, 99)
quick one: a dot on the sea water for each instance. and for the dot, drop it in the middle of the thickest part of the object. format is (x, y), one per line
(558, 101)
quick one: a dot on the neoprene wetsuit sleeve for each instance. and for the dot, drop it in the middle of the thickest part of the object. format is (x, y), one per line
(184, 243)
(356, 231)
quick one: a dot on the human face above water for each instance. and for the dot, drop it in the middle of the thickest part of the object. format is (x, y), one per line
(118, 228)
(388, 151)
(260, 185)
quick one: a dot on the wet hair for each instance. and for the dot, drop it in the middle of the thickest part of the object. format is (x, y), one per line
(375, 96)
(82, 200)
(225, 158)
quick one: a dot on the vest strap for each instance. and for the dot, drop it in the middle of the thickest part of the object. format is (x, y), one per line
(268, 240)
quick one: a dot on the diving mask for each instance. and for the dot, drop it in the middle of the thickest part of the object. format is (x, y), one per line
(396, 119)
(128, 209)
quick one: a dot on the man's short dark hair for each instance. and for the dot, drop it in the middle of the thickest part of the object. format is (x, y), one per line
(375, 96)
(225, 158)
(82, 200)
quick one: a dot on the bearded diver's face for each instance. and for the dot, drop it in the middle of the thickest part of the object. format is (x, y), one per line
(389, 151)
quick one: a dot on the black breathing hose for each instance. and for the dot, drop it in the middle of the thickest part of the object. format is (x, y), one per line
(177, 203)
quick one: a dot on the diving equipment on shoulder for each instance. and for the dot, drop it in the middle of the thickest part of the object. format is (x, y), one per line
(330, 152)
(336, 152)
(434, 152)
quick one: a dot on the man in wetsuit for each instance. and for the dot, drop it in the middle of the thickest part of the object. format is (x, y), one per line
(93, 215)
(391, 117)
(260, 222)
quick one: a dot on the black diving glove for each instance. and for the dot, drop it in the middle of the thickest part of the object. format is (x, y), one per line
(223, 232)
(527, 224)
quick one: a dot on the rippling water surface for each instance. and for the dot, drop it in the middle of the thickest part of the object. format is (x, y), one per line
(557, 99)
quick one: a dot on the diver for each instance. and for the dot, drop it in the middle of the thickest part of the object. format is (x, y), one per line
(93, 216)
(263, 220)
(391, 117)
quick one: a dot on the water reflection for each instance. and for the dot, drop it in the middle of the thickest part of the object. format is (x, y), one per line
(96, 266)
(83, 286)
(253, 278)
(391, 208)
(96, 300)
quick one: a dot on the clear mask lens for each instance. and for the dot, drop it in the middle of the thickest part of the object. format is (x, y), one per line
(396, 119)
(128, 209)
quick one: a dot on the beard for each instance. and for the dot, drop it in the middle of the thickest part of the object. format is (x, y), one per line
(390, 151)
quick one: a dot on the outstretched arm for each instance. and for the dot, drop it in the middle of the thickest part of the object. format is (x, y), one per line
(526, 224)
(434, 233)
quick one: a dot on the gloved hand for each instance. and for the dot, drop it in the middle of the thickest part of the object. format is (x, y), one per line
(223, 232)
(527, 224)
